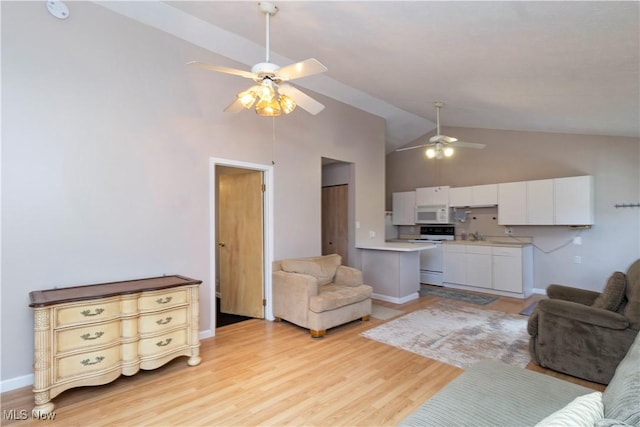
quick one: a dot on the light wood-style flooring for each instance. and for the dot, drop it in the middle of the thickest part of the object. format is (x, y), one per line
(264, 373)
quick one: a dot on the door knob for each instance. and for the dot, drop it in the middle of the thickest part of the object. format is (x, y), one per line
(221, 244)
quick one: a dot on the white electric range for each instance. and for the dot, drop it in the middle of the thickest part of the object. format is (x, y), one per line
(431, 260)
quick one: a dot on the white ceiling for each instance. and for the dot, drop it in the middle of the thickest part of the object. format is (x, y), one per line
(567, 67)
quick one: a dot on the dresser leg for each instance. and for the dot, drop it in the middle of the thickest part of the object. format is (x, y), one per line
(40, 410)
(194, 361)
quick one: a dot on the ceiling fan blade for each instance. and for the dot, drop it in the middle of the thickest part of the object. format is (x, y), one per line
(463, 144)
(241, 73)
(303, 100)
(442, 138)
(300, 69)
(234, 107)
(415, 146)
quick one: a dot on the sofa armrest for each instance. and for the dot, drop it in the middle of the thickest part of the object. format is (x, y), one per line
(347, 276)
(567, 293)
(583, 313)
(291, 295)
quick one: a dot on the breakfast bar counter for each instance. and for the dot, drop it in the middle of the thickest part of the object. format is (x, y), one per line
(393, 269)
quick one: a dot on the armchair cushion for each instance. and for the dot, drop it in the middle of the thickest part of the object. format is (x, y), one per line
(332, 296)
(322, 268)
(613, 294)
(348, 276)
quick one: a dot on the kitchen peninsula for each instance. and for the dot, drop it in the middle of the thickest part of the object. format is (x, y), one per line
(393, 269)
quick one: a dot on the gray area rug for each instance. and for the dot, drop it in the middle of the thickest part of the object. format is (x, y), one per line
(458, 334)
(457, 295)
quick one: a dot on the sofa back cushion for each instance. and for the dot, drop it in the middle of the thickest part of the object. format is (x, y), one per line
(620, 398)
(323, 268)
(632, 309)
(613, 294)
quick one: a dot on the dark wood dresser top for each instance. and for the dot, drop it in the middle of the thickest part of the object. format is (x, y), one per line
(103, 290)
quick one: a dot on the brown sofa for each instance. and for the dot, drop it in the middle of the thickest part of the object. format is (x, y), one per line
(319, 293)
(584, 333)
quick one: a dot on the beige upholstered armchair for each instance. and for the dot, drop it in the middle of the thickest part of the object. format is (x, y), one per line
(319, 293)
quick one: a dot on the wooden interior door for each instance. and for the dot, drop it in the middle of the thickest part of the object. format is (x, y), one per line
(335, 210)
(240, 243)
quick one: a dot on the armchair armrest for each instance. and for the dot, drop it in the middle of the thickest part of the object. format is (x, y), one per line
(567, 293)
(348, 276)
(583, 313)
(291, 294)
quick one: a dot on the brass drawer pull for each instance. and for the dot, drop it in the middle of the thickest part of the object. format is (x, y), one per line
(165, 321)
(164, 343)
(87, 313)
(88, 362)
(164, 300)
(88, 337)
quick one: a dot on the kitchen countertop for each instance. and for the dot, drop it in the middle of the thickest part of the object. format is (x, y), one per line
(397, 246)
(500, 243)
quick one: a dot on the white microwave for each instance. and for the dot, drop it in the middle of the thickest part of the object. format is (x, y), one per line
(432, 214)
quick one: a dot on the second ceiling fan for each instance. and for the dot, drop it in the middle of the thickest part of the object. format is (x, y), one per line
(439, 145)
(271, 94)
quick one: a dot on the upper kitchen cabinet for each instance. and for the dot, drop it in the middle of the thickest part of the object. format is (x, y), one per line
(573, 200)
(512, 203)
(432, 196)
(558, 201)
(474, 196)
(540, 202)
(404, 212)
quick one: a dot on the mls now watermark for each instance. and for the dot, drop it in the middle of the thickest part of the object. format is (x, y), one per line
(23, 414)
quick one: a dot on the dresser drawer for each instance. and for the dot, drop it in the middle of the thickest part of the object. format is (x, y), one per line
(87, 362)
(164, 299)
(162, 343)
(87, 336)
(162, 321)
(86, 313)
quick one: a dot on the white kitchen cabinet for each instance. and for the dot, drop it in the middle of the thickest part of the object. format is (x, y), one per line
(540, 202)
(513, 269)
(460, 197)
(479, 272)
(573, 199)
(497, 269)
(426, 196)
(484, 195)
(512, 203)
(404, 208)
(454, 264)
(473, 196)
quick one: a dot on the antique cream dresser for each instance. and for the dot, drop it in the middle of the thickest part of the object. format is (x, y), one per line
(90, 335)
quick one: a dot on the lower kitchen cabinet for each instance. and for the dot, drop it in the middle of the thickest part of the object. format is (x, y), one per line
(502, 270)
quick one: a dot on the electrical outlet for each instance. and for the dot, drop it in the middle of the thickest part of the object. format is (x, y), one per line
(577, 259)
(372, 234)
(508, 231)
(577, 240)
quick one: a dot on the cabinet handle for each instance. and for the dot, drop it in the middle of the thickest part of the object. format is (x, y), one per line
(164, 322)
(164, 300)
(88, 337)
(87, 313)
(164, 343)
(88, 362)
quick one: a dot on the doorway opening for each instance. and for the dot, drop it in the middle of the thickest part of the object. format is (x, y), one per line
(241, 241)
(338, 235)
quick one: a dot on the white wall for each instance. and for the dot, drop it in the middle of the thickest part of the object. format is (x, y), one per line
(106, 141)
(611, 244)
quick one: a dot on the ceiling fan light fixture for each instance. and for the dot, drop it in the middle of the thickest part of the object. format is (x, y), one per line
(286, 103)
(247, 98)
(268, 108)
(448, 151)
(430, 152)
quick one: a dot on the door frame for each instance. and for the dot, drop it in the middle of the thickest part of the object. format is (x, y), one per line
(267, 230)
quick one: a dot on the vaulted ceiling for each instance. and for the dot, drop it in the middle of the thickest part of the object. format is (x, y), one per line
(567, 67)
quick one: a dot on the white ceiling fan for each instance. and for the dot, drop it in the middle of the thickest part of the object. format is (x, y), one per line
(441, 145)
(271, 95)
